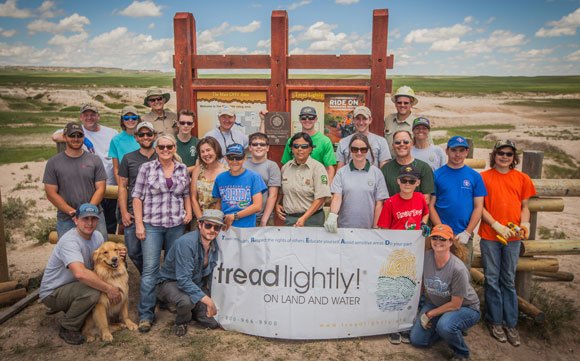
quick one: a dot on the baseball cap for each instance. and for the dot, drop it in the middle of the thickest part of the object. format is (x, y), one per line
(442, 230)
(408, 171)
(307, 111)
(505, 143)
(457, 141)
(129, 109)
(235, 149)
(364, 111)
(226, 110)
(87, 210)
(145, 125)
(212, 215)
(89, 106)
(72, 128)
(421, 121)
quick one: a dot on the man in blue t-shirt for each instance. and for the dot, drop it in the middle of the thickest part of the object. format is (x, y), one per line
(239, 190)
(459, 192)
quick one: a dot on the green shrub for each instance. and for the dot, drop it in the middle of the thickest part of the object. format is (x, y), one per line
(15, 211)
(41, 229)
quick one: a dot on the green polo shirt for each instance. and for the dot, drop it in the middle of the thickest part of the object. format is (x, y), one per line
(323, 150)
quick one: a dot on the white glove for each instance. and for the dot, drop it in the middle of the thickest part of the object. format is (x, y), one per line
(425, 321)
(502, 230)
(463, 237)
(331, 224)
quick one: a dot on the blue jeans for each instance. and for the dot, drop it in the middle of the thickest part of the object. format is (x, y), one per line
(499, 267)
(449, 327)
(156, 239)
(134, 247)
(66, 225)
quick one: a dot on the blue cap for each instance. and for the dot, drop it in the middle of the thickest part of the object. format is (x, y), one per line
(87, 210)
(235, 149)
(457, 141)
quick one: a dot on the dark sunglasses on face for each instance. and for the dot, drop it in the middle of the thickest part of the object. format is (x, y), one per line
(308, 117)
(158, 99)
(359, 150)
(130, 117)
(300, 146)
(259, 144)
(399, 142)
(185, 123)
(438, 238)
(507, 154)
(233, 157)
(208, 226)
(141, 135)
(77, 135)
(167, 146)
(407, 180)
(403, 103)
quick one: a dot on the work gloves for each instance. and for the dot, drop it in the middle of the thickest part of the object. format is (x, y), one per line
(331, 224)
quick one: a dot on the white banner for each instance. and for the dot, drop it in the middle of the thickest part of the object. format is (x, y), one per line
(306, 283)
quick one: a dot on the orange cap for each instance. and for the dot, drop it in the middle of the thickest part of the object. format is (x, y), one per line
(442, 230)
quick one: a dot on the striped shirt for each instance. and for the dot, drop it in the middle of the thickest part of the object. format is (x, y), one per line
(162, 206)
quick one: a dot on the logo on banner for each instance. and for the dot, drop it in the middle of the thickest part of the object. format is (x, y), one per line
(397, 281)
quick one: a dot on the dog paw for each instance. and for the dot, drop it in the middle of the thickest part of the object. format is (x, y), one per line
(131, 325)
(90, 339)
(107, 337)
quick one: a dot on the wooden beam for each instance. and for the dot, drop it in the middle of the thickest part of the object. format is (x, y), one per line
(531, 310)
(9, 297)
(3, 254)
(329, 62)
(546, 264)
(557, 187)
(18, 306)
(277, 91)
(185, 46)
(545, 205)
(560, 275)
(354, 84)
(475, 163)
(231, 61)
(379, 62)
(8, 286)
(551, 247)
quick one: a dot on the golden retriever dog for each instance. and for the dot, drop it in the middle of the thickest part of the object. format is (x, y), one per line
(110, 267)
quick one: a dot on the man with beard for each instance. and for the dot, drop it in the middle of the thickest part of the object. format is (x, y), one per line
(74, 177)
(128, 171)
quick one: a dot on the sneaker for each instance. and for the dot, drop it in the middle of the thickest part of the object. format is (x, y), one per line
(71, 337)
(497, 333)
(394, 338)
(513, 336)
(145, 326)
(180, 330)
(405, 337)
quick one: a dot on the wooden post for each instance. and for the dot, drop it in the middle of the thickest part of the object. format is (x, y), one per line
(470, 149)
(278, 71)
(532, 166)
(379, 62)
(3, 255)
(185, 46)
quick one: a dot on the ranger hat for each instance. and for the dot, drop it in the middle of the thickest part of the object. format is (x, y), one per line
(153, 92)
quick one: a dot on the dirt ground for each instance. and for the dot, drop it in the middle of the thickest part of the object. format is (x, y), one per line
(33, 335)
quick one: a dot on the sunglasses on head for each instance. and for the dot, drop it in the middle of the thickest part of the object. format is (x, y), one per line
(399, 142)
(157, 99)
(130, 117)
(403, 103)
(76, 135)
(300, 146)
(165, 146)
(408, 180)
(359, 150)
(235, 157)
(307, 117)
(208, 226)
(185, 123)
(507, 154)
(438, 238)
(258, 144)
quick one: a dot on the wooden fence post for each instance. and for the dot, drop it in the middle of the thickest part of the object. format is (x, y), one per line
(3, 256)
(532, 166)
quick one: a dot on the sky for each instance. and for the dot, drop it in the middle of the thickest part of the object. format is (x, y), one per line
(463, 37)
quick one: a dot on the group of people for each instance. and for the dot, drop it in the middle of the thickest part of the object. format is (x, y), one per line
(170, 182)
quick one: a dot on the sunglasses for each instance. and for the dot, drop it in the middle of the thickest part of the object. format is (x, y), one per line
(185, 123)
(438, 238)
(76, 135)
(130, 117)
(216, 227)
(234, 157)
(407, 180)
(300, 146)
(403, 103)
(399, 142)
(507, 154)
(259, 144)
(363, 150)
(152, 100)
(163, 146)
(141, 135)
(308, 117)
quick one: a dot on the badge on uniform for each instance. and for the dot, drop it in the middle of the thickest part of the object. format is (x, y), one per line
(324, 179)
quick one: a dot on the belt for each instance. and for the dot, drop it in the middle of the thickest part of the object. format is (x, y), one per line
(301, 214)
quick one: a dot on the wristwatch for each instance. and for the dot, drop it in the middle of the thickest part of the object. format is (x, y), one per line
(236, 217)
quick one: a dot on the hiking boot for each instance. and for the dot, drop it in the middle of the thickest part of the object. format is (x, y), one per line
(180, 330)
(394, 338)
(200, 316)
(71, 337)
(405, 337)
(497, 333)
(513, 336)
(145, 326)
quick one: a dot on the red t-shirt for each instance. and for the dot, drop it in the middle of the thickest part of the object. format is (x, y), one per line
(505, 193)
(403, 214)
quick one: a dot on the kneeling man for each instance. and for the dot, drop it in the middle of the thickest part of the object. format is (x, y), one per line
(185, 278)
(68, 283)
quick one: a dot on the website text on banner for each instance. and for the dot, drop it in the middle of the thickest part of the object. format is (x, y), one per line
(306, 283)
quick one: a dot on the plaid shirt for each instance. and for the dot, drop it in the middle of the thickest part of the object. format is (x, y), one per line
(162, 206)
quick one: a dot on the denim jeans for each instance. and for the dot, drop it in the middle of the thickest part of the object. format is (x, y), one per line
(156, 239)
(499, 267)
(448, 326)
(134, 247)
(66, 225)
(110, 211)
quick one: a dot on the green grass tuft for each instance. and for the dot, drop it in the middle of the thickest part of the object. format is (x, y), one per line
(26, 154)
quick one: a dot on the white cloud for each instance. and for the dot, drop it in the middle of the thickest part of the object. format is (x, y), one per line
(534, 53)
(565, 26)
(10, 10)
(468, 19)
(395, 34)
(7, 33)
(61, 40)
(208, 42)
(436, 34)
(250, 28)
(295, 6)
(446, 45)
(346, 2)
(575, 56)
(490, 20)
(318, 31)
(151, 26)
(142, 9)
(296, 28)
(48, 9)
(264, 43)
(74, 23)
